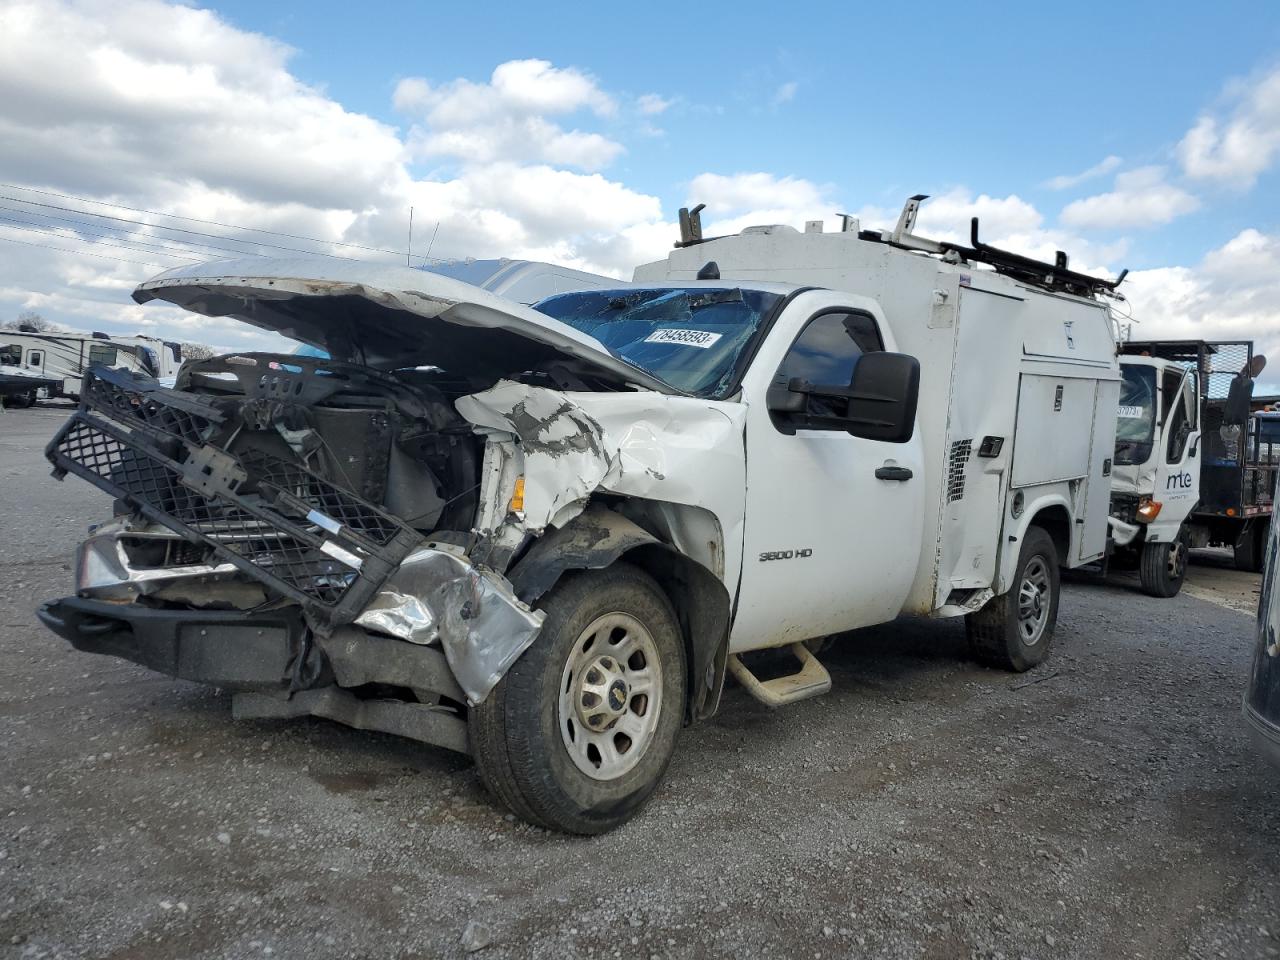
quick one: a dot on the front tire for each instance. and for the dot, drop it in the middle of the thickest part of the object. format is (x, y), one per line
(1164, 567)
(579, 732)
(1014, 631)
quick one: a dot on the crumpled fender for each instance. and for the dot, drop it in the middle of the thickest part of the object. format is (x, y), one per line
(597, 538)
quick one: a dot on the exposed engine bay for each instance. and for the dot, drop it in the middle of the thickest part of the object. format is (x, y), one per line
(314, 476)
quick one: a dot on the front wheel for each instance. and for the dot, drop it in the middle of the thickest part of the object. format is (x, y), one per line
(1164, 567)
(1015, 631)
(579, 732)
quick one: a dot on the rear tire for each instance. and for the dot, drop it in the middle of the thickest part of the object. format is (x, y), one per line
(1164, 567)
(579, 732)
(1251, 550)
(1015, 630)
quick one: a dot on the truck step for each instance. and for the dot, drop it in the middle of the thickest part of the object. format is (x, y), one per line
(811, 680)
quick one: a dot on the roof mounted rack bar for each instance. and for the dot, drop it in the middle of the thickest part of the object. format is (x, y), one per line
(1053, 276)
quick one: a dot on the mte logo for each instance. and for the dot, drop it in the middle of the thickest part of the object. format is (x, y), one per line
(1179, 481)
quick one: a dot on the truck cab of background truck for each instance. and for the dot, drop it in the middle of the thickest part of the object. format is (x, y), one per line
(1155, 479)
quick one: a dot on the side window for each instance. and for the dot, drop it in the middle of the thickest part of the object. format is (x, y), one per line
(35, 358)
(826, 352)
(11, 354)
(101, 353)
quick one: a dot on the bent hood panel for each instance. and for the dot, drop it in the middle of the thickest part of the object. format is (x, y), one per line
(386, 317)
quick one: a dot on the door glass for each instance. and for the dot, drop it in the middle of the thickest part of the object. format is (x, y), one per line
(35, 358)
(826, 352)
(1181, 421)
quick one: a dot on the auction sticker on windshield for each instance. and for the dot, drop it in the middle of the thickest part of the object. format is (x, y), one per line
(1132, 413)
(690, 338)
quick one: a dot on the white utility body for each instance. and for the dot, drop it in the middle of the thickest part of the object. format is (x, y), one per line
(1016, 424)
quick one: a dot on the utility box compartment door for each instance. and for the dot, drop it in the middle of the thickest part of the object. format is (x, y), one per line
(1055, 427)
(1095, 499)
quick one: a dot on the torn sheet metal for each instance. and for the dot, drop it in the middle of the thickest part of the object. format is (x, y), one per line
(105, 572)
(679, 450)
(437, 594)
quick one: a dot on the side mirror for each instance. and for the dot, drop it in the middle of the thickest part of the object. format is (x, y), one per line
(879, 403)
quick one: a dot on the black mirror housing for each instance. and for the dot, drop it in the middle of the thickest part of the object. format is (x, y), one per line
(883, 397)
(880, 403)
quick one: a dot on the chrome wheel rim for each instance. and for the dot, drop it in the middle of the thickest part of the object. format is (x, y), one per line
(1033, 601)
(610, 696)
(1177, 560)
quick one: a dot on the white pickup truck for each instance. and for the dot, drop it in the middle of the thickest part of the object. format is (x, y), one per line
(543, 537)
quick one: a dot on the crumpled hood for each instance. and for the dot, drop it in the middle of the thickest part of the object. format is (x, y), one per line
(386, 317)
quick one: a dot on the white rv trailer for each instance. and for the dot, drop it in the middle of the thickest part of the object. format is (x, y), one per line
(62, 358)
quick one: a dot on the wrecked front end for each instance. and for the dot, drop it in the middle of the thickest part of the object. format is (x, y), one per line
(297, 531)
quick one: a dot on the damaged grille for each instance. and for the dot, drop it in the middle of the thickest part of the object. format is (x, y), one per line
(296, 533)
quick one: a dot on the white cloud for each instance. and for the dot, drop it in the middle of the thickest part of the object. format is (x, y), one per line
(743, 191)
(1233, 293)
(195, 117)
(505, 119)
(651, 104)
(1236, 147)
(740, 200)
(785, 93)
(1141, 198)
(1099, 169)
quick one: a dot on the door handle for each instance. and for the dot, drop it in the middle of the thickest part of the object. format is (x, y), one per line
(893, 473)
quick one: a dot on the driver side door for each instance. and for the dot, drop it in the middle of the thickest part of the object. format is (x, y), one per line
(833, 521)
(1177, 479)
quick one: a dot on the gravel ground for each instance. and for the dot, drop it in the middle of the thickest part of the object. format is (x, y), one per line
(925, 808)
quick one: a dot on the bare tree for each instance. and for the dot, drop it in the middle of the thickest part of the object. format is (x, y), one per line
(197, 351)
(30, 322)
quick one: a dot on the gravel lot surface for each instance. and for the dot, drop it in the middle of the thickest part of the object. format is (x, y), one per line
(925, 808)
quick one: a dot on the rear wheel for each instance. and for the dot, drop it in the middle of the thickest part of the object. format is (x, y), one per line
(579, 732)
(1164, 566)
(1251, 548)
(1015, 631)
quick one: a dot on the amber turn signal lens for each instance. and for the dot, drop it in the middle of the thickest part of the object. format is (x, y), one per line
(517, 496)
(1148, 510)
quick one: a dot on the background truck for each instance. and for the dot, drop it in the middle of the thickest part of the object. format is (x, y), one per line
(543, 537)
(1207, 472)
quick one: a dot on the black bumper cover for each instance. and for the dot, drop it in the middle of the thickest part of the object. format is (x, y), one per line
(232, 649)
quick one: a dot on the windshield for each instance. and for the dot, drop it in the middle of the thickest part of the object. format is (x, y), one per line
(1136, 423)
(691, 337)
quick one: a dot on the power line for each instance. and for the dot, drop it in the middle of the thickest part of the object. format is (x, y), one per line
(194, 233)
(83, 253)
(186, 245)
(25, 225)
(212, 223)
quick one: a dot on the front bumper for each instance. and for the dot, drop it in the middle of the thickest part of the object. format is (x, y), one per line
(228, 648)
(273, 667)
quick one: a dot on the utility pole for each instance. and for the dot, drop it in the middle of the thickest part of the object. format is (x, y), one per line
(409, 252)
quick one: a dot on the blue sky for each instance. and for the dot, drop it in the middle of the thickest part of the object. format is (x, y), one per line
(573, 132)
(890, 99)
